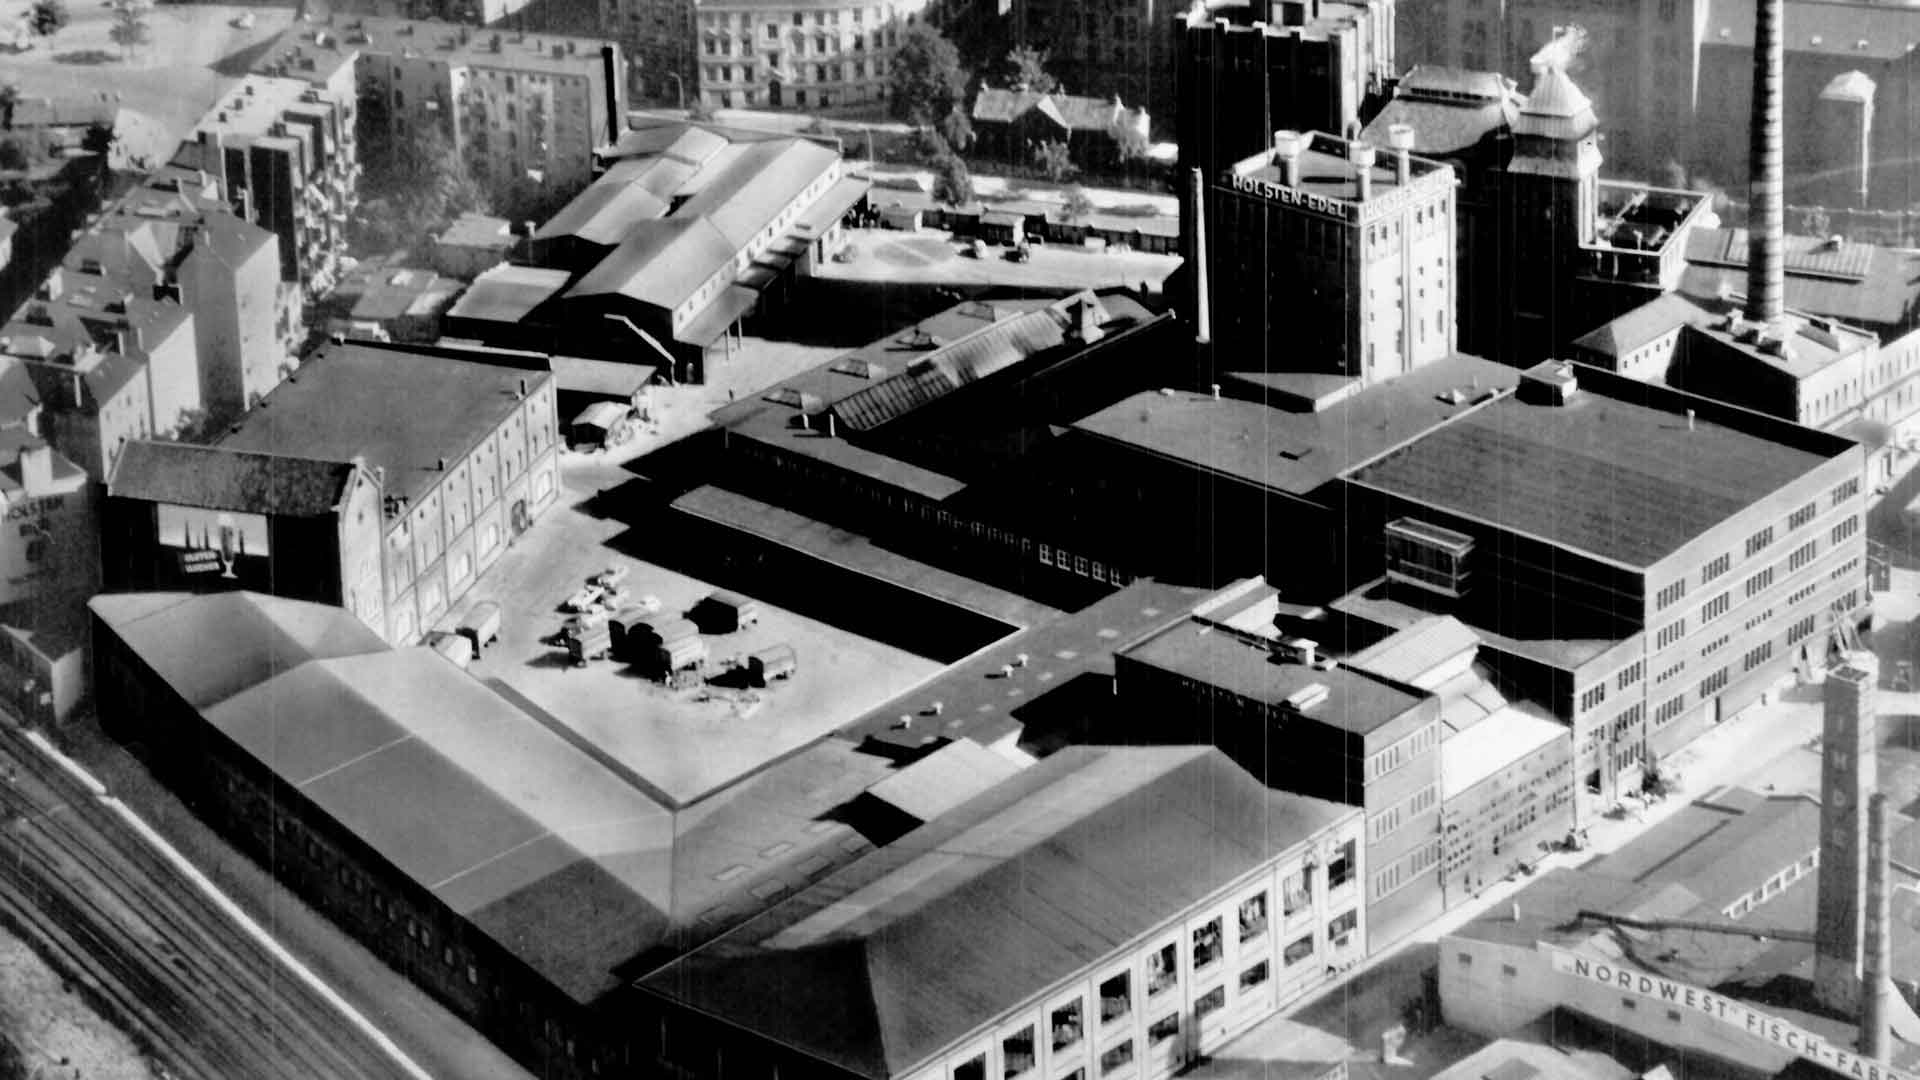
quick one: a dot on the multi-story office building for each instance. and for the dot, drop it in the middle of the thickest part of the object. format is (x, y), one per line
(1247, 70)
(1643, 563)
(451, 486)
(1350, 737)
(821, 54)
(514, 103)
(1329, 257)
(281, 155)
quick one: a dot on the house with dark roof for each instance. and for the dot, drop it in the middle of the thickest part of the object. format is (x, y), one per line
(1012, 124)
(203, 518)
(690, 229)
(1117, 906)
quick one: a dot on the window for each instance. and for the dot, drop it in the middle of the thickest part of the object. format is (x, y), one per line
(1209, 943)
(1713, 683)
(1297, 951)
(1117, 1058)
(1066, 1024)
(1163, 1029)
(1163, 970)
(1341, 926)
(1016, 1053)
(1846, 491)
(1670, 633)
(1715, 607)
(1757, 655)
(1846, 528)
(1629, 675)
(1116, 998)
(1253, 917)
(974, 1068)
(1669, 595)
(1593, 696)
(1759, 582)
(1800, 630)
(1296, 892)
(1668, 710)
(1340, 870)
(1720, 565)
(1258, 974)
(1799, 518)
(1801, 556)
(1211, 1001)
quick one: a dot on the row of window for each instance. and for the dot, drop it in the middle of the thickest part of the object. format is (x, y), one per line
(1401, 752)
(1405, 870)
(1388, 821)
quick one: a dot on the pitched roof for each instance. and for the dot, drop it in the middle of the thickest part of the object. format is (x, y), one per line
(991, 348)
(943, 779)
(661, 262)
(1072, 113)
(916, 945)
(219, 478)
(1407, 655)
(1864, 284)
(525, 835)
(1660, 315)
(210, 647)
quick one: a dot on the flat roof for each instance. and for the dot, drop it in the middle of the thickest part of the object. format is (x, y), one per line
(1411, 652)
(1356, 701)
(508, 293)
(1619, 472)
(912, 947)
(453, 44)
(978, 702)
(477, 230)
(1327, 171)
(250, 108)
(1502, 738)
(1863, 284)
(395, 409)
(537, 845)
(1297, 452)
(1373, 603)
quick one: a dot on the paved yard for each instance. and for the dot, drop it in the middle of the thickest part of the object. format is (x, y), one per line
(929, 256)
(170, 83)
(681, 743)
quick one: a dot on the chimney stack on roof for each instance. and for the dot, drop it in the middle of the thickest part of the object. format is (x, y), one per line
(1362, 156)
(1766, 226)
(1400, 138)
(1287, 148)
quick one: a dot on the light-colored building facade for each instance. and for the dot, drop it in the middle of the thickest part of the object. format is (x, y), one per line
(49, 535)
(281, 155)
(813, 55)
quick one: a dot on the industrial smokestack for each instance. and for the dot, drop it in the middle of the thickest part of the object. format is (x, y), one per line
(1876, 1013)
(1766, 226)
(610, 71)
(1202, 303)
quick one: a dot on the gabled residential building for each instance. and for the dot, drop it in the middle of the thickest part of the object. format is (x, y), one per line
(1011, 124)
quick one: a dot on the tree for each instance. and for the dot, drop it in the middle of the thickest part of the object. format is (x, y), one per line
(130, 28)
(952, 183)
(818, 126)
(957, 128)
(1027, 70)
(9, 97)
(700, 111)
(100, 138)
(1078, 204)
(48, 17)
(1816, 222)
(13, 156)
(1051, 158)
(924, 81)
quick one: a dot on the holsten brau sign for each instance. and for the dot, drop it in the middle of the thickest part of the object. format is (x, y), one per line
(1383, 204)
(1698, 1005)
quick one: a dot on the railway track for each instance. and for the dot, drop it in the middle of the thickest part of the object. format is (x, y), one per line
(206, 999)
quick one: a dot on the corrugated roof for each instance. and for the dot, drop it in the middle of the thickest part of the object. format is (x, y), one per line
(1863, 284)
(914, 946)
(1619, 479)
(234, 479)
(511, 826)
(943, 779)
(210, 647)
(991, 348)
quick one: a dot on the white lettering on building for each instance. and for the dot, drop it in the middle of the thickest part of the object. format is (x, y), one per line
(1384, 204)
(1697, 1003)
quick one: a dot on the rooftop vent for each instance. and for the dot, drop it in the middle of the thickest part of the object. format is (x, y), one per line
(1550, 382)
(1307, 697)
(1298, 650)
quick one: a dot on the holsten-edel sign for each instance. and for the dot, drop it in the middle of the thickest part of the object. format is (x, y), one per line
(1701, 1003)
(1381, 205)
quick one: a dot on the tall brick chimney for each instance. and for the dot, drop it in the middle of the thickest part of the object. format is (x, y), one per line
(1766, 224)
(1847, 778)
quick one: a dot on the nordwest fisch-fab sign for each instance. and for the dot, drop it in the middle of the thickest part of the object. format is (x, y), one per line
(1696, 1003)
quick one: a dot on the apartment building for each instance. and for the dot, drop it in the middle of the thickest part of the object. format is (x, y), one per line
(281, 155)
(817, 55)
(516, 104)
(661, 43)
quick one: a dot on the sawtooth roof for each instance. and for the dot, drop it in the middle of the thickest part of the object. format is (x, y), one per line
(1067, 862)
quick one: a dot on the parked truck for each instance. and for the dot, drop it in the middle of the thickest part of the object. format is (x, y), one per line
(768, 665)
(482, 625)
